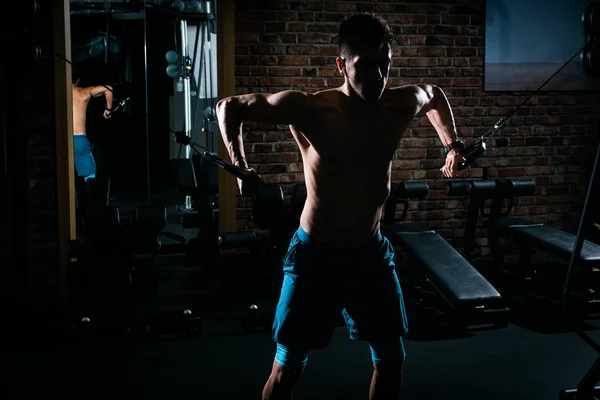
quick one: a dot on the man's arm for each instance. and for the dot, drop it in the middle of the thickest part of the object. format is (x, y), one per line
(432, 101)
(105, 90)
(290, 107)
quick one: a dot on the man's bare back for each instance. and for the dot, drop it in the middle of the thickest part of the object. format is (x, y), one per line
(81, 99)
(347, 153)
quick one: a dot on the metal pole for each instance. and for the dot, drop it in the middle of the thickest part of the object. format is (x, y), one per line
(583, 227)
(147, 111)
(186, 82)
(186, 95)
(210, 84)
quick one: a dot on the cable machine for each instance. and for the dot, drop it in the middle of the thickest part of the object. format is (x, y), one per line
(192, 74)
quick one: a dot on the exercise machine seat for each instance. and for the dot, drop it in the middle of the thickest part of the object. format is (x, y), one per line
(446, 268)
(546, 238)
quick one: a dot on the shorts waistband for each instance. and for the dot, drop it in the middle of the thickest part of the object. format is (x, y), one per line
(79, 134)
(306, 238)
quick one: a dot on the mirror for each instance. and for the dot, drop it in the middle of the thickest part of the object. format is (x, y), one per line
(154, 65)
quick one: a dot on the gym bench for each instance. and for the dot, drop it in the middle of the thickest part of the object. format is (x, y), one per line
(472, 302)
(527, 234)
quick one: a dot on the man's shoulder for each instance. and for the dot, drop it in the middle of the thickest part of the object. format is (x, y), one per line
(403, 90)
(325, 93)
(404, 94)
(328, 93)
(327, 97)
(80, 92)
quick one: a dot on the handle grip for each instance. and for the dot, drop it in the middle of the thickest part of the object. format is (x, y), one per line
(181, 138)
(470, 154)
(235, 171)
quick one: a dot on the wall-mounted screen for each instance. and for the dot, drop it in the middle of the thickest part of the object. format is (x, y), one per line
(526, 41)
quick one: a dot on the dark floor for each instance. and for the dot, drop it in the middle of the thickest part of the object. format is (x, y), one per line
(512, 363)
(224, 362)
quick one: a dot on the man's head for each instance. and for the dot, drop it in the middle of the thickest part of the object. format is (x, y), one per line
(75, 76)
(365, 54)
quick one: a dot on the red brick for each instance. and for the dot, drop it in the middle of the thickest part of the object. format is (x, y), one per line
(285, 71)
(303, 49)
(324, 28)
(340, 6)
(297, 27)
(314, 38)
(471, 81)
(293, 60)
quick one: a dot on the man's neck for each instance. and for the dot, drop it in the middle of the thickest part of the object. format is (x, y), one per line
(356, 101)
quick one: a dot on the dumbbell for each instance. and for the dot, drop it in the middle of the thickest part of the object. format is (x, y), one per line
(82, 329)
(148, 222)
(252, 319)
(249, 318)
(191, 324)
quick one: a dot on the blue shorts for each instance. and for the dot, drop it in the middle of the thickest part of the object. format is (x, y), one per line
(85, 165)
(320, 281)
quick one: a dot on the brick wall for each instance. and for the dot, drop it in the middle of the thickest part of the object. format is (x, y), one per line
(292, 44)
(32, 158)
(41, 171)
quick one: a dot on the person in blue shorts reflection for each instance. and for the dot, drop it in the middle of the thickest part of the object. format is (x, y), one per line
(85, 165)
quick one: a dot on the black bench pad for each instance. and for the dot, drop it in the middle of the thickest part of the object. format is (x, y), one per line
(446, 268)
(546, 238)
(390, 231)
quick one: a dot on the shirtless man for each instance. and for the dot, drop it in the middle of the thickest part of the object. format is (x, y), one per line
(84, 159)
(338, 261)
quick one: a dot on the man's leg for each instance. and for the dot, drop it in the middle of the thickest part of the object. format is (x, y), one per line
(388, 362)
(305, 318)
(375, 313)
(85, 165)
(287, 369)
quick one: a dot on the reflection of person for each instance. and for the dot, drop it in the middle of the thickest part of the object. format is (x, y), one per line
(85, 165)
(338, 261)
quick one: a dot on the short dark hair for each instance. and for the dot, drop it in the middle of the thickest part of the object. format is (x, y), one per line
(363, 30)
(77, 73)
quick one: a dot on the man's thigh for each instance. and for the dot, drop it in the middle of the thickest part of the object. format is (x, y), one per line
(375, 307)
(85, 165)
(311, 298)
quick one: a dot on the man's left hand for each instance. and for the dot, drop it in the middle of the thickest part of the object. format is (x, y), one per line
(450, 170)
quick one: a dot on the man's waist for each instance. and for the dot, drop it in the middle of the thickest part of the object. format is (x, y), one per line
(338, 238)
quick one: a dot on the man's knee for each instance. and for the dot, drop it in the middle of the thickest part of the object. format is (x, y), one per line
(388, 357)
(290, 359)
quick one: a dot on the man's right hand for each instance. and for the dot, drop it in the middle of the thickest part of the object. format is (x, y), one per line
(107, 114)
(250, 185)
(450, 169)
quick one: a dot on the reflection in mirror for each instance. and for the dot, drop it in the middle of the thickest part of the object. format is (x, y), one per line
(144, 73)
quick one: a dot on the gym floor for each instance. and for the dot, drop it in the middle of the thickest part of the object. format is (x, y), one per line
(533, 358)
(222, 363)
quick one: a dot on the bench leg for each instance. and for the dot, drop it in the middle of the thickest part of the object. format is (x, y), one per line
(497, 253)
